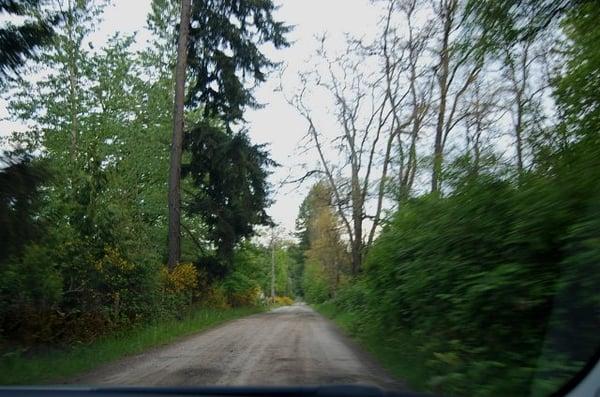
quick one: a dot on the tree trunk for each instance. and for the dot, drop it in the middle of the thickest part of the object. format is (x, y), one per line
(357, 219)
(72, 66)
(177, 142)
(273, 266)
(438, 149)
(518, 136)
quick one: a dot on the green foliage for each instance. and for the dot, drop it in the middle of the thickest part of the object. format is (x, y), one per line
(19, 199)
(325, 262)
(578, 101)
(284, 262)
(318, 198)
(510, 21)
(19, 42)
(315, 286)
(229, 174)
(241, 290)
(397, 350)
(494, 286)
(84, 249)
(491, 278)
(252, 268)
(296, 270)
(96, 266)
(244, 284)
(224, 57)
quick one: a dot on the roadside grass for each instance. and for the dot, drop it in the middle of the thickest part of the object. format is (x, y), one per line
(396, 351)
(58, 365)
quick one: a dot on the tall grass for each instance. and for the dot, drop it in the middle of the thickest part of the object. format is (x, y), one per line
(59, 365)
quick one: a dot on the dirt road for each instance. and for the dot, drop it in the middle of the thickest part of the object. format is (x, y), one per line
(290, 345)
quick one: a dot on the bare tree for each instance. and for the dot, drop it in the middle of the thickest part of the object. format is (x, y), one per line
(174, 234)
(483, 113)
(381, 114)
(458, 66)
(520, 63)
(404, 68)
(364, 107)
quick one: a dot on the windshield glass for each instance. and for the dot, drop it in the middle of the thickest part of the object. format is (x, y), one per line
(395, 193)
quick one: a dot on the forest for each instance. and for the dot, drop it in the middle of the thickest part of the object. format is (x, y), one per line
(452, 225)
(84, 216)
(455, 230)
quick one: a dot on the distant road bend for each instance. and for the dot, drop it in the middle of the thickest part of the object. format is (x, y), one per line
(291, 345)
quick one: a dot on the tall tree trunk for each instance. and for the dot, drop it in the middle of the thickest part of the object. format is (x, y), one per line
(447, 13)
(177, 141)
(72, 66)
(518, 135)
(357, 219)
(521, 103)
(438, 149)
(518, 73)
(408, 177)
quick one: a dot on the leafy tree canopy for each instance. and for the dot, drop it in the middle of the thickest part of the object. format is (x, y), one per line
(576, 90)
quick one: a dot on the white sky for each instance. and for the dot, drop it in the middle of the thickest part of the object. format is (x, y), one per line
(277, 123)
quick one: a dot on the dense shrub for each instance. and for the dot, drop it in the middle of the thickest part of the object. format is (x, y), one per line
(119, 294)
(241, 289)
(498, 280)
(314, 283)
(215, 297)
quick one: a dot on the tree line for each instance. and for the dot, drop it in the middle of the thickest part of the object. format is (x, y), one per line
(455, 210)
(91, 241)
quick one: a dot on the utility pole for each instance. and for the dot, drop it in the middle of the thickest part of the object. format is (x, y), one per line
(272, 263)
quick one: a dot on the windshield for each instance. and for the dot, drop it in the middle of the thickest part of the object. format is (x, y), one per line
(395, 193)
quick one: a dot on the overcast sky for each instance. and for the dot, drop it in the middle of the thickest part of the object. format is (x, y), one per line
(277, 123)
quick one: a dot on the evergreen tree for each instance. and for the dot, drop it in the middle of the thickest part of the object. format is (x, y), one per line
(223, 60)
(19, 42)
(231, 193)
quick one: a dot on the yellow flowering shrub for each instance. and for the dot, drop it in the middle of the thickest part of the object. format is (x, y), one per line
(112, 262)
(283, 300)
(182, 278)
(248, 297)
(215, 297)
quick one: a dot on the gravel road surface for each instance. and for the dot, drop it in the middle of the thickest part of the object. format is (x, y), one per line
(291, 345)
